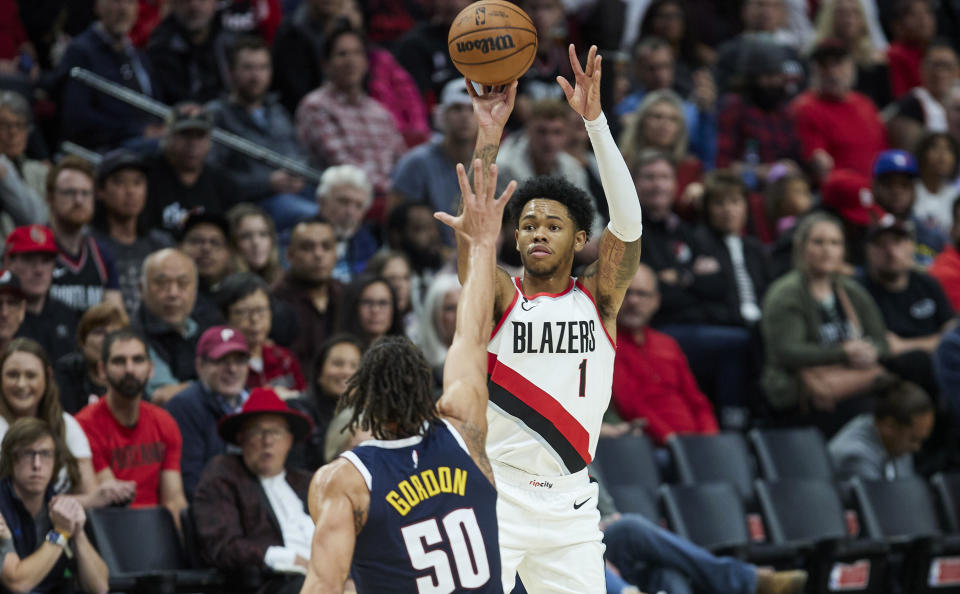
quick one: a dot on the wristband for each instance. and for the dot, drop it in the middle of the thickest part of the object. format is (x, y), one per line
(61, 539)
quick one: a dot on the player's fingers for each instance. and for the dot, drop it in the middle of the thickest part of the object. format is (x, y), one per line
(565, 86)
(479, 177)
(512, 92)
(574, 61)
(446, 218)
(464, 182)
(590, 56)
(491, 186)
(470, 88)
(507, 194)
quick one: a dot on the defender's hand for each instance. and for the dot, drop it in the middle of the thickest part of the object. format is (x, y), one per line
(494, 106)
(585, 98)
(482, 214)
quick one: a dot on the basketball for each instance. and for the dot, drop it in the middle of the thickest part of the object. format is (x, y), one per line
(492, 42)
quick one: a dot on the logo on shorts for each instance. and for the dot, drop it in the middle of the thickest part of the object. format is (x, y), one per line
(544, 484)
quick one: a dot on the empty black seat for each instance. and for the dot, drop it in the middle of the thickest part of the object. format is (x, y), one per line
(947, 487)
(634, 499)
(791, 453)
(627, 461)
(714, 458)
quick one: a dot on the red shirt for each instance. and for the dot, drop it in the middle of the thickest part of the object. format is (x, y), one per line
(280, 369)
(946, 269)
(904, 61)
(136, 453)
(653, 381)
(851, 130)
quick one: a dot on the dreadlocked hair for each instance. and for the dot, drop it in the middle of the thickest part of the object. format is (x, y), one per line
(393, 386)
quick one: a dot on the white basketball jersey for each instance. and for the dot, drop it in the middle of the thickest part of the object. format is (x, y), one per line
(550, 362)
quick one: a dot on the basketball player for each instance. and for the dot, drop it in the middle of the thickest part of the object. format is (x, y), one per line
(414, 510)
(551, 353)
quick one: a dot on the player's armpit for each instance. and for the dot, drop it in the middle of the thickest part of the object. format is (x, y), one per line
(339, 502)
(607, 279)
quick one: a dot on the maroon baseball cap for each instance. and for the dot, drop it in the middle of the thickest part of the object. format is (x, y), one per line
(31, 239)
(219, 341)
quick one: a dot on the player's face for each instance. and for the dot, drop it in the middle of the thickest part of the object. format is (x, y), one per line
(266, 440)
(72, 201)
(547, 238)
(24, 382)
(124, 193)
(341, 363)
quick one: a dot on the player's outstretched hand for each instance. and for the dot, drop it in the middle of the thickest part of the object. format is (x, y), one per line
(482, 214)
(494, 106)
(585, 97)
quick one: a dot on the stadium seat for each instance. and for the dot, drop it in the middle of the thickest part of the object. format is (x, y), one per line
(628, 461)
(947, 487)
(791, 453)
(634, 499)
(903, 513)
(808, 513)
(118, 534)
(714, 458)
(711, 515)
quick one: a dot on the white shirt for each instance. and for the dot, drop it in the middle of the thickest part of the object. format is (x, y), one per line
(295, 525)
(935, 210)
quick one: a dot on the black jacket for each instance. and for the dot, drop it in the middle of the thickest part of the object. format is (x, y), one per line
(187, 72)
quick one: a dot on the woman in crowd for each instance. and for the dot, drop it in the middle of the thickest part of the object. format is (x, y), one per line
(824, 336)
(244, 301)
(438, 320)
(78, 374)
(394, 267)
(29, 390)
(338, 359)
(845, 21)
(938, 158)
(370, 310)
(255, 237)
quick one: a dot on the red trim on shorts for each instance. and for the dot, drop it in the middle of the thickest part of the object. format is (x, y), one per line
(580, 286)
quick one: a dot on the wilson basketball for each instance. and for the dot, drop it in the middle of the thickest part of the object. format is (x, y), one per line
(492, 42)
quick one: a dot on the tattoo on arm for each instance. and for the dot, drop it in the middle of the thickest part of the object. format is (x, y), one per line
(476, 442)
(615, 269)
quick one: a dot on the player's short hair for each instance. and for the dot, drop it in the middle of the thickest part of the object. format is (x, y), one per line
(578, 204)
(391, 394)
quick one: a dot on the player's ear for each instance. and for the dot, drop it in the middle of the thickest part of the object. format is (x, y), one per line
(579, 240)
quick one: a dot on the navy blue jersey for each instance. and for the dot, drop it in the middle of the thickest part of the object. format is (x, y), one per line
(432, 525)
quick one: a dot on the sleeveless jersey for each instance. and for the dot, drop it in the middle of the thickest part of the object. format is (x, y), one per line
(550, 362)
(79, 283)
(432, 524)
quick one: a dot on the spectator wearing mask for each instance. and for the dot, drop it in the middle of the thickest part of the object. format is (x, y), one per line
(344, 197)
(38, 529)
(222, 357)
(31, 254)
(179, 180)
(188, 51)
(308, 286)
(85, 273)
(912, 26)
(946, 266)
(133, 440)
(923, 108)
(880, 446)
(169, 288)
(652, 382)
(22, 180)
(838, 127)
(245, 304)
(250, 511)
(938, 160)
(78, 373)
(255, 115)
(13, 307)
(88, 116)
(122, 195)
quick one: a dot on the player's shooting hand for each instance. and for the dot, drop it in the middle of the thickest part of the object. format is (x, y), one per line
(585, 97)
(482, 214)
(494, 106)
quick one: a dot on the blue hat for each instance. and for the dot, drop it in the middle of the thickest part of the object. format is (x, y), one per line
(895, 161)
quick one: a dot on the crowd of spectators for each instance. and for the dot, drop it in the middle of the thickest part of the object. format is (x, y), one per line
(797, 164)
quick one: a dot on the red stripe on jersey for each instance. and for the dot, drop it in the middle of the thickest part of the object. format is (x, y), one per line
(580, 286)
(506, 313)
(544, 404)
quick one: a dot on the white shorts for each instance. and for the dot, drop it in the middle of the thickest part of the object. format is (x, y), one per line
(549, 532)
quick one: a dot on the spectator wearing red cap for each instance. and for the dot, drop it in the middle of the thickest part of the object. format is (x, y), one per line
(221, 361)
(838, 127)
(239, 495)
(31, 254)
(133, 441)
(13, 307)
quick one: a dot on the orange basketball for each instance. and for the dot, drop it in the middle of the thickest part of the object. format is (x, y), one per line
(492, 42)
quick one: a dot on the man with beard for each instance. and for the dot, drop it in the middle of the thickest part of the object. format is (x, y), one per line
(412, 230)
(308, 286)
(344, 197)
(133, 440)
(85, 273)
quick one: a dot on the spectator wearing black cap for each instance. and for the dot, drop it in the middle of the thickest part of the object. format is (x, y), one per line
(89, 117)
(894, 172)
(122, 195)
(838, 127)
(914, 307)
(13, 307)
(31, 254)
(206, 239)
(85, 274)
(179, 179)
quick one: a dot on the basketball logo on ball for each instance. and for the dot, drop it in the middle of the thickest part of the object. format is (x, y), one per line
(492, 42)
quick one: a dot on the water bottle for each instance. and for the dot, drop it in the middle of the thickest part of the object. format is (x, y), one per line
(751, 159)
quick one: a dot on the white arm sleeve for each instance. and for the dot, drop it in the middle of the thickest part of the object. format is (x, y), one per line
(626, 220)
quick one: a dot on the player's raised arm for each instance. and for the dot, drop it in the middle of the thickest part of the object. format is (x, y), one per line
(339, 502)
(608, 277)
(465, 370)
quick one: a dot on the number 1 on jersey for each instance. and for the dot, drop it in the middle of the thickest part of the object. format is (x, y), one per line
(583, 378)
